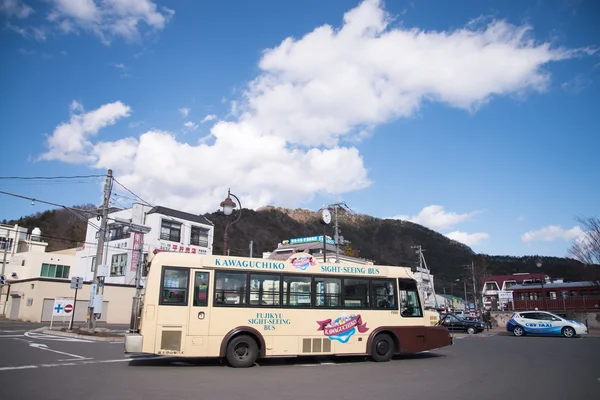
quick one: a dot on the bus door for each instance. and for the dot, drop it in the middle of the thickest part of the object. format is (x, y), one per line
(197, 341)
(411, 312)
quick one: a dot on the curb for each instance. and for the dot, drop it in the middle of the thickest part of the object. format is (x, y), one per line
(78, 336)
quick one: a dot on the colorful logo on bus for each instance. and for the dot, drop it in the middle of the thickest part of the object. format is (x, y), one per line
(343, 327)
(303, 261)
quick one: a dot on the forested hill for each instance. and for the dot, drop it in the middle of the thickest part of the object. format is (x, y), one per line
(383, 241)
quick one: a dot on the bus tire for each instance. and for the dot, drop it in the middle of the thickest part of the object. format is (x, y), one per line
(242, 351)
(382, 348)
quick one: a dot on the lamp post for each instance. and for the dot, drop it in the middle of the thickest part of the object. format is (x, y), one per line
(538, 263)
(228, 206)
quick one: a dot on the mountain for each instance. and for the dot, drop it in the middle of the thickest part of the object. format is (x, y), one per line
(384, 241)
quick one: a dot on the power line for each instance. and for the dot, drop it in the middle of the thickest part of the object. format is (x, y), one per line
(138, 197)
(51, 177)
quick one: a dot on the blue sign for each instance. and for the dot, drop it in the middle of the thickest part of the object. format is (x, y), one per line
(58, 308)
(309, 239)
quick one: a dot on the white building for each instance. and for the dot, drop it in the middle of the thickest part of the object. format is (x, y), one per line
(170, 230)
(10, 237)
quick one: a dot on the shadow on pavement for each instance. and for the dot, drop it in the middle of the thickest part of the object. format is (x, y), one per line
(269, 362)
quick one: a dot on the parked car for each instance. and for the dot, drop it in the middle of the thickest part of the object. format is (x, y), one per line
(454, 323)
(543, 323)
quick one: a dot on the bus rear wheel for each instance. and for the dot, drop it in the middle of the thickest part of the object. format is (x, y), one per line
(383, 348)
(242, 351)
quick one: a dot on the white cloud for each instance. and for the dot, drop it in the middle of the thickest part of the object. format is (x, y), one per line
(551, 233)
(317, 91)
(120, 66)
(110, 18)
(437, 218)
(70, 141)
(184, 111)
(470, 239)
(209, 117)
(190, 126)
(15, 8)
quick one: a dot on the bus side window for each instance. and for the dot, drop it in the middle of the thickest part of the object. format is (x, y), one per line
(384, 294)
(297, 291)
(174, 286)
(410, 306)
(201, 289)
(230, 288)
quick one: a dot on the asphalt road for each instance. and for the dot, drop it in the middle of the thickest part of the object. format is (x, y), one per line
(33, 366)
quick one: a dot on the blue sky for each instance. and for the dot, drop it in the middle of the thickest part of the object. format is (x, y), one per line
(476, 119)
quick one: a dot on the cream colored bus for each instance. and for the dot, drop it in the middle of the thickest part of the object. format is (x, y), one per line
(244, 309)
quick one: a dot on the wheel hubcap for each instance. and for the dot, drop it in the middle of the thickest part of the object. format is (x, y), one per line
(518, 331)
(382, 347)
(569, 332)
(241, 351)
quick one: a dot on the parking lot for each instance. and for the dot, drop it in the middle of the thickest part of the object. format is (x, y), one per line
(36, 365)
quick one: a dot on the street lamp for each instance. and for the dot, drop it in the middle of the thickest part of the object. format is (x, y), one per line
(228, 206)
(538, 263)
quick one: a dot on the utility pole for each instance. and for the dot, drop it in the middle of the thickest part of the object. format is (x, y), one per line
(474, 285)
(138, 286)
(337, 234)
(100, 247)
(3, 269)
(251, 244)
(466, 300)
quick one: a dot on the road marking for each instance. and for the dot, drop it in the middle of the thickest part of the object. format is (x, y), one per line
(4, 331)
(43, 336)
(76, 359)
(44, 347)
(82, 362)
(21, 367)
(10, 336)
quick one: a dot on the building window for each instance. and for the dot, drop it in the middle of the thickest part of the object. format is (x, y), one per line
(170, 230)
(297, 291)
(199, 236)
(174, 287)
(230, 289)
(55, 271)
(356, 293)
(328, 292)
(384, 293)
(6, 244)
(118, 264)
(491, 286)
(118, 232)
(264, 290)
(409, 298)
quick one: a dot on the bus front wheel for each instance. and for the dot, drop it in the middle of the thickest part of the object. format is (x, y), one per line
(383, 348)
(242, 351)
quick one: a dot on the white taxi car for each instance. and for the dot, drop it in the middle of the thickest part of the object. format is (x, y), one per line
(544, 323)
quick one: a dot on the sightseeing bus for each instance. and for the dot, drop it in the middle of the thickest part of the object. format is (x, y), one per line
(245, 309)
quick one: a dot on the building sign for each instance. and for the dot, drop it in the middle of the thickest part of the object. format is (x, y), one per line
(309, 239)
(504, 296)
(178, 248)
(135, 256)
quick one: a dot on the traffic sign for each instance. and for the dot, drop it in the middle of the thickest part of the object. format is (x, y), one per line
(76, 282)
(68, 308)
(59, 306)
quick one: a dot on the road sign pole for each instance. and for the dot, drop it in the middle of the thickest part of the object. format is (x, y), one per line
(74, 307)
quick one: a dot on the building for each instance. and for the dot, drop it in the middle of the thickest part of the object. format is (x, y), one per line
(314, 246)
(496, 290)
(450, 303)
(10, 238)
(126, 247)
(425, 283)
(556, 296)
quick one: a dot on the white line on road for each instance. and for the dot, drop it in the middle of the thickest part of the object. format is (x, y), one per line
(10, 336)
(43, 336)
(80, 362)
(44, 347)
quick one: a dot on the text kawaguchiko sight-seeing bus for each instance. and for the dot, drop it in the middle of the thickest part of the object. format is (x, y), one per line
(244, 309)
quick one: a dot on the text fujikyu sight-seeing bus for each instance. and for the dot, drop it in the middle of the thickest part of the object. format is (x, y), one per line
(244, 309)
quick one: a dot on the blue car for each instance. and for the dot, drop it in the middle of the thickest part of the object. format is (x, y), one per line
(544, 323)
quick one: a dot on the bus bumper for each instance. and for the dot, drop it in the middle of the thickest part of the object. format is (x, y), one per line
(133, 343)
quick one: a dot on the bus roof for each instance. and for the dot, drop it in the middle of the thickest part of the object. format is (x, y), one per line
(297, 263)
